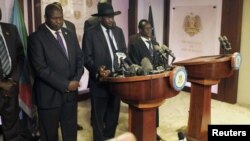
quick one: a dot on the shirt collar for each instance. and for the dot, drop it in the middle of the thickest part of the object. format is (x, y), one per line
(1, 31)
(145, 39)
(103, 28)
(53, 31)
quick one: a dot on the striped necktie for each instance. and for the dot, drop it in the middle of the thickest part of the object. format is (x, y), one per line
(5, 61)
(60, 41)
(115, 61)
(150, 48)
(111, 42)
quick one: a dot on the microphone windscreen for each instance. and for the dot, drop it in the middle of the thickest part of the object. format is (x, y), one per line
(221, 39)
(146, 65)
(135, 69)
(121, 55)
(164, 47)
(157, 48)
(225, 38)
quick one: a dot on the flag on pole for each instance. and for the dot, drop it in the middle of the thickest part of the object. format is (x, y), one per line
(151, 19)
(25, 91)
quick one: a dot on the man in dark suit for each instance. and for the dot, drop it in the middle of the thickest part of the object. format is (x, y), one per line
(57, 62)
(71, 26)
(142, 45)
(11, 59)
(99, 45)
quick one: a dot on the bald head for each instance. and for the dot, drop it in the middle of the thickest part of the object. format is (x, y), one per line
(54, 16)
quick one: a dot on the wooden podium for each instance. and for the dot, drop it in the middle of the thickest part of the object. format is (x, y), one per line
(143, 94)
(203, 72)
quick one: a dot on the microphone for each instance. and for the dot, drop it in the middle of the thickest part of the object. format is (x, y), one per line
(146, 65)
(160, 51)
(222, 42)
(135, 69)
(228, 44)
(168, 51)
(181, 136)
(123, 56)
(225, 43)
(124, 65)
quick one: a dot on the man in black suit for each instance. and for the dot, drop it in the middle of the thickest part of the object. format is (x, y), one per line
(71, 26)
(11, 60)
(57, 62)
(99, 45)
(142, 45)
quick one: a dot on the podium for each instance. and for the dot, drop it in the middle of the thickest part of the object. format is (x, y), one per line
(203, 72)
(144, 94)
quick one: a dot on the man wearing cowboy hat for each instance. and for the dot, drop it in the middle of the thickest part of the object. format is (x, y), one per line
(99, 45)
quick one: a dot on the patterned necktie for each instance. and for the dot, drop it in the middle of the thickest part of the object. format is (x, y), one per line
(150, 48)
(60, 41)
(5, 61)
(115, 61)
(111, 41)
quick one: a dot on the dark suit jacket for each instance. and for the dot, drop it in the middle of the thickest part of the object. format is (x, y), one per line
(70, 25)
(1, 71)
(137, 50)
(15, 49)
(96, 49)
(52, 68)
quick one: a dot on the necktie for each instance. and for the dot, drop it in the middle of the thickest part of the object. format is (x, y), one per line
(115, 61)
(150, 48)
(60, 41)
(111, 41)
(6, 66)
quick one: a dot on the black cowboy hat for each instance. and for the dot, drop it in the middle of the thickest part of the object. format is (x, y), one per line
(106, 9)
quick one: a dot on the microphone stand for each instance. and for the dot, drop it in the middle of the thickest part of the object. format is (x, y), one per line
(225, 45)
(165, 62)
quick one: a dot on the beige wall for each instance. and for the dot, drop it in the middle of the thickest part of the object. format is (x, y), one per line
(244, 72)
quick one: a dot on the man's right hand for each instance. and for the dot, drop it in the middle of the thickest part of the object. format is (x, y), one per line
(103, 72)
(73, 85)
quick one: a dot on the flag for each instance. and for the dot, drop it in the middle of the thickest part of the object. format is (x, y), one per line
(151, 20)
(25, 91)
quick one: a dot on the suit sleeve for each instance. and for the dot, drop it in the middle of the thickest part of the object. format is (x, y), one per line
(18, 66)
(133, 54)
(41, 69)
(87, 48)
(123, 43)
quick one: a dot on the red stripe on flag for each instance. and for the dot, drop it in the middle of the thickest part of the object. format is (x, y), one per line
(25, 94)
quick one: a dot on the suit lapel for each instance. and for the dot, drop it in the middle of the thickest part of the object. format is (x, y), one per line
(144, 48)
(8, 37)
(115, 33)
(52, 40)
(101, 36)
